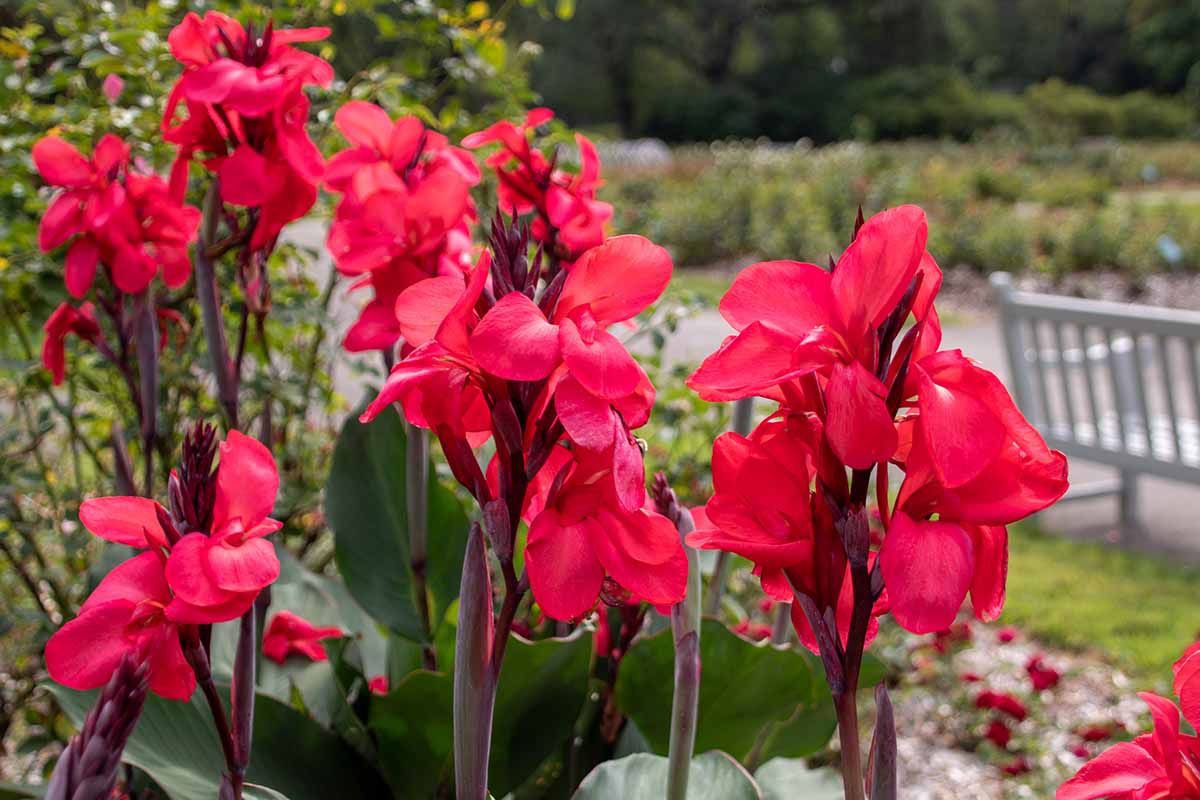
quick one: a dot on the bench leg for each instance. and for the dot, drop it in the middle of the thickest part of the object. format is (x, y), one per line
(1129, 501)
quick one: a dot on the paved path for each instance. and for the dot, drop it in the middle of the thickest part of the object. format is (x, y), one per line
(1167, 507)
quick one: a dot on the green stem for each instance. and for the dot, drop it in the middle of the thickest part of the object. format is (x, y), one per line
(685, 628)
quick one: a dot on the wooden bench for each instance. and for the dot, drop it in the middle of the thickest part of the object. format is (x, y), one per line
(1114, 383)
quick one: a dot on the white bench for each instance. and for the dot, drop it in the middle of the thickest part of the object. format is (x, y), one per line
(1114, 383)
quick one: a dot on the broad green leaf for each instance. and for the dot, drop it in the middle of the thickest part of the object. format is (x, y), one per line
(18, 791)
(713, 776)
(542, 688)
(252, 791)
(744, 687)
(789, 778)
(175, 744)
(365, 503)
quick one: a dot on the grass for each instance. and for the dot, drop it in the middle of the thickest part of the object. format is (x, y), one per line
(1138, 611)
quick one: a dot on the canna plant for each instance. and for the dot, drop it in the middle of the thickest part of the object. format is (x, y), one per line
(520, 648)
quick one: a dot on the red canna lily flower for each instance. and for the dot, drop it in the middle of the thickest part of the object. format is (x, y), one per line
(1161, 764)
(796, 319)
(126, 613)
(112, 215)
(67, 320)
(583, 535)
(754, 631)
(1006, 635)
(378, 685)
(290, 634)
(569, 219)
(216, 575)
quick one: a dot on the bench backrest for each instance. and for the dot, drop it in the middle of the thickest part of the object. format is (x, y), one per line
(1114, 382)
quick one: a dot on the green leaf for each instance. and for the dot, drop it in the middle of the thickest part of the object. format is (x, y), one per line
(365, 502)
(17, 791)
(788, 778)
(252, 791)
(713, 776)
(175, 744)
(744, 688)
(542, 688)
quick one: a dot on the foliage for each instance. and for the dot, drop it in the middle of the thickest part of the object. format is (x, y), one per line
(830, 70)
(994, 205)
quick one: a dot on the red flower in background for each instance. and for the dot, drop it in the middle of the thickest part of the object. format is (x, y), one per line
(290, 634)
(998, 734)
(67, 320)
(126, 613)
(246, 109)
(378, 685)
(112, 215)
(1042, 676)
(570, 219)
(1002, 702)
(404, 216)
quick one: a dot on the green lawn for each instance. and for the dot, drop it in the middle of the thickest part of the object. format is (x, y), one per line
(1139, 611)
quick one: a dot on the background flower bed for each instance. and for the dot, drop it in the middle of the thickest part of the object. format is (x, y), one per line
(1003, 204)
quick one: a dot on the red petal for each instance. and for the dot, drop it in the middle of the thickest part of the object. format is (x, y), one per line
(247, 567)
(124, 520)
(661, 583)
(877, 268)
(616, 280)
(248, 179)
(60, 164)
(1119, 769)
(757, 358)
(83, 653)
(515, 342)
(135, 579)
(170, 674)
(421, 307)
(364, 124)
(1187, 687)
(598, 360)
(991, 570)
(927, 568)
(587, 419)
(961, 434)
(61, 221)
(82, 258)
(247, 482)
(860, 429)
(189, 574)
(564, 573)
(787, 295)
(403, 141)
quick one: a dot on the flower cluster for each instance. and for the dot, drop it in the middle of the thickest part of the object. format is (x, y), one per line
(109, 214)
(246, 112)
(290, 634)
(569, 219)
(859, 387)
(404, 216)
(203, 562)
(1162, 763)
(532, 365)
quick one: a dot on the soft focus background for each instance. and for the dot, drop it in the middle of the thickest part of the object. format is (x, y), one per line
(1053, 139)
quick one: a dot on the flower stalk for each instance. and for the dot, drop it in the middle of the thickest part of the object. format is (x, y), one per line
(685, 631)
(210, 307)
(416, 485)
(475, 679)
(146, 341)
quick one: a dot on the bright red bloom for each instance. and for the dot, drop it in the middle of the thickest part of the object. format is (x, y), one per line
(1003, 702)
(216, 575)
(1161, 764)
(795, 319)
(1006, 635)
(405, 213)
(112, 215)
(246, 107)
(1080, 751)
(970, 677)
(1095, 733)
(126, 613)
(67, 320)
(569, 218)
(1041, 676)
(378, 685)
(290, 634)
(584, 535)
(998, 734)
